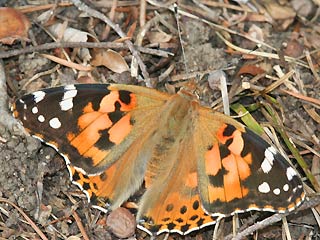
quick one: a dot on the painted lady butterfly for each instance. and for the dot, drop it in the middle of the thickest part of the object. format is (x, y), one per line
(196, 164)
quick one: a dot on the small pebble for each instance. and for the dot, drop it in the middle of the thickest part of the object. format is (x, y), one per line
(121, 223)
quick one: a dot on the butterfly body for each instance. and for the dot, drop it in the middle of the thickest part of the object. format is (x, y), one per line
(196, 164)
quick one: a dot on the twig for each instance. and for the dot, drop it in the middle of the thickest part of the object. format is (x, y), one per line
(38, 75)
(80, 226)
(277, 83)
(141, 34)
(271, 220)
(32, 224)
(106, 31)
(91, 12)
(143, 8)
(32, 8)
(302, 97)
(217, 26)
(261, 54)
(64, 62)
(313, 70)
(53, 45)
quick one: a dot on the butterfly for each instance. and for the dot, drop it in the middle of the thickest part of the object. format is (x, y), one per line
(195, 164)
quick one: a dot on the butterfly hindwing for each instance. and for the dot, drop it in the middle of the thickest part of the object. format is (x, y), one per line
(239, 171)
(171, 202)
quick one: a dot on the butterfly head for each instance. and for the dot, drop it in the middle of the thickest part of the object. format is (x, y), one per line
(189, 89)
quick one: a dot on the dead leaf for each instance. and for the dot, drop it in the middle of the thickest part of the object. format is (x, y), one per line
(69, 34)
(258, 17)
(14, 26)
(110, 59)
(250, 69)
(279, 12)
(303, 8)
(294, 49)
(256, 32)
(158, 37)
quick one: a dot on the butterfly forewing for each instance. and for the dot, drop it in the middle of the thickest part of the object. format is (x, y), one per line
(90, 118)
(194, 163)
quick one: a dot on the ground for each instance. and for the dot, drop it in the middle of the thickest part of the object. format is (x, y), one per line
(34, 177)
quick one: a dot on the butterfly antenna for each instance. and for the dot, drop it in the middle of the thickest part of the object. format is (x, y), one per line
(176, 13)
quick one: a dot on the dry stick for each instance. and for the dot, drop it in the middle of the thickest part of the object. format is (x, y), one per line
(80, 226)
(141, 34)
(302, 97)
(143, 9)
(52, 45)
(187, 14)
(64, 62)
(271, 220)
(313, 70)
(261, 54)
(224, 5)
(112, 13)
(32, 8)
(91, 12)
(32, 224)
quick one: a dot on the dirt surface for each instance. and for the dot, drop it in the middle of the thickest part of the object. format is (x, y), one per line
(34, 177)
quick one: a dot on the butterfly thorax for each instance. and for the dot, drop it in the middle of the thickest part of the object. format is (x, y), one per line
(176, 120)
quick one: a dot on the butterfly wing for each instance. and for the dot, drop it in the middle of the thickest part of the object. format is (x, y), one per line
(93, 126)
(171, 202)
(195, 163)
(239, 171)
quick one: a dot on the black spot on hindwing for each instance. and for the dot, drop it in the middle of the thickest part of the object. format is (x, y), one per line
(195, 205)
(224, 151)
(229, 130)
(183, 209)
(169, 207)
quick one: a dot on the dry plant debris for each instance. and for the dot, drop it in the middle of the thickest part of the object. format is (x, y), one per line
(268, 51)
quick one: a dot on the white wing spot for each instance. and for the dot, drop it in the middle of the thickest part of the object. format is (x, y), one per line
(34, 110)
(41, 118)
(70, 94)
(264, 187)
(273, 150)
(276, 191)
(290, 173)
(55, 123)
(294, 190)
(70, 87)
(67, 99)
(66, 105)
(267, 163)
(38, 96)
(285, 187)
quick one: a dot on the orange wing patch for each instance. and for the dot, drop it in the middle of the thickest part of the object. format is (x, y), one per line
(184, 219)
